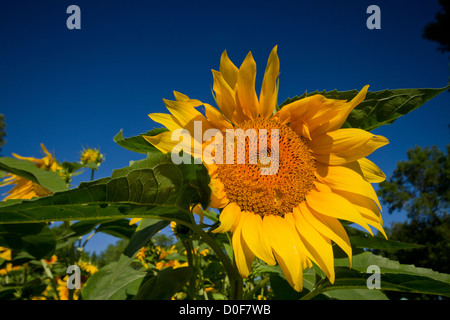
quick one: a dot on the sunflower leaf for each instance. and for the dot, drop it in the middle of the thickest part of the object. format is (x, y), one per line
(164, 285)
(26, 169)
(150, 188)
(100, 287)
(145, 231)
(138, 143)
(379, 107)
(361, 261)
(402, 282)
(393, 276)
(36, 239)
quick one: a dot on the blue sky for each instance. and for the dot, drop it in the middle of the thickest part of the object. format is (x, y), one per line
(71, 89)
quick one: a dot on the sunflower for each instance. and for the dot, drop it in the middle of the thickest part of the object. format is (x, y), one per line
(91, 155)
(291, 215)
(26, 189)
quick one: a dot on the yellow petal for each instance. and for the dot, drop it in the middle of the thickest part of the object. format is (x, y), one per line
(328, 226)
(297, 110)
(252, 231)
(228, 218)
(218, 195)
(319, 247)
(269, 94)
(134, 220)
(242, 253)
(45, 151)
(5, 253)
(368, 170)
(167, 120)
(225, 98)
(333, 113)
(367, 207)
(345, 179)
(345, 145)
(216, 118)
(163, 141)
(184, 98)
(27, 158)
(185, 114)
(319, 113)
(228, 70)
(248, 99)
(333, 205)
(363, 204)
(286, 246)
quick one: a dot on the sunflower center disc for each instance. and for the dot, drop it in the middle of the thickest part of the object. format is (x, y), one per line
(282, 190)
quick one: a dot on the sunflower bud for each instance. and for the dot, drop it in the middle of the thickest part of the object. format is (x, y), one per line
(91, 155)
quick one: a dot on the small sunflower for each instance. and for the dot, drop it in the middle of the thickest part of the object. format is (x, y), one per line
(26, 189)
(91, 155)
(291, 215)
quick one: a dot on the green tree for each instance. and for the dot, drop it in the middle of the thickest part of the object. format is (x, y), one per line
(438, 30)
(421, 187)
(110, 254)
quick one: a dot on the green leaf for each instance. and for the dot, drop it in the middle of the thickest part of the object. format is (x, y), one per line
(164, 285)
(71, 167)
(26, 169)
(137, 143)
(393, 276)
(120, 228)
(361, 261)
(146, 230)
(100, 287)
(83, 227)
(355, 294)
(149, 188)
(282, 290)
(380, 107)
(351, 284)
(36, 239)
(346, 278)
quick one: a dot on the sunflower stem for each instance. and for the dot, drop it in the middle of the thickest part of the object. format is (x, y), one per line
(236, 282)
(188, 245)
(315, 291)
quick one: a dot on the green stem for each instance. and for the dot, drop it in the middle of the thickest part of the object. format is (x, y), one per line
(187, 243)
(315, 291)
(87, 239)
(259, 286)
(235, 278)
(49, 273)
(92, 174)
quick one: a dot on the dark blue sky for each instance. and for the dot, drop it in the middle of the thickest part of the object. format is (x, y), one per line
(76, 88)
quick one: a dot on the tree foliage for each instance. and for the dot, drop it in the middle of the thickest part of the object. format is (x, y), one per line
(438, 30)
(421, 187)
